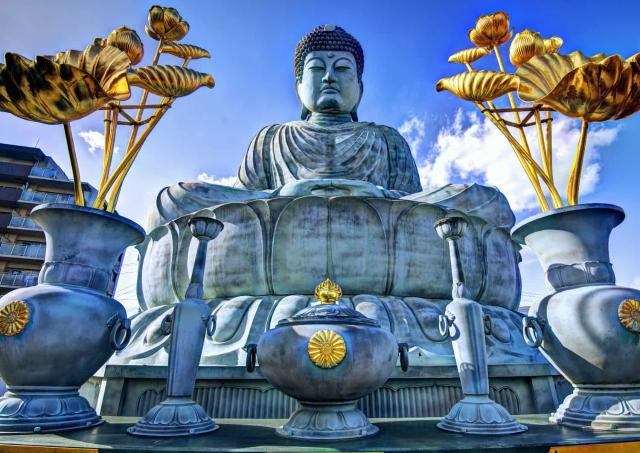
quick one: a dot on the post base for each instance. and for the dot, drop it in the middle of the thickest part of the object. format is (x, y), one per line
(601, 408)
(174, 417)
(333, 421)
(478, 414)
(45, 410)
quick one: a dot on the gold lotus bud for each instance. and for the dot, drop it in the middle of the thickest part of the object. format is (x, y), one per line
(169, 80)
(467, 56)
(166, 24)
(479, 86)
(128, 41)
(526, 45)
(491, 30)
(185, 51)
(328, 292)
(552, 44)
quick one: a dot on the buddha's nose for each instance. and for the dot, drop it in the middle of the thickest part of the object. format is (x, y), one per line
(329, 76)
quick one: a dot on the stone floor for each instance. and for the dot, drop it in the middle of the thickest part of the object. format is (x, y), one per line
(406, 435)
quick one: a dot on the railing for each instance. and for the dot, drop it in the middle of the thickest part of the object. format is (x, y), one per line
(18, 279)
(23, 222)
(45, 197)
(52, 173)
(31, 250)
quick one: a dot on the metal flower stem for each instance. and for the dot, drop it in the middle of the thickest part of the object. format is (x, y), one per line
(75, 170)
(111, 123)
(545, 151)
(549, 143)
(522, 154)
(573, 187)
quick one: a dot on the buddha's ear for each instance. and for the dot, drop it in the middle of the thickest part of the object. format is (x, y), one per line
(304, 113)
(354, 112)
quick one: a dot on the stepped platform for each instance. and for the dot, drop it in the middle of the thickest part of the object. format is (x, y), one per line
(258, 435)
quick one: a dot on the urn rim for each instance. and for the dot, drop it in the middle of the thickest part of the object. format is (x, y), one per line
(530, 224)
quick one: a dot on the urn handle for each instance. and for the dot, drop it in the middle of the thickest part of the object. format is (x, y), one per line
(531, 331)
(211, 325)
(444, 322)
(120, 332)
(252, 353)
(403, 351)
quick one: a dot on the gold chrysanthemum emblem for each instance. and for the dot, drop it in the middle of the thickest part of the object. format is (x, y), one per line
(13, 318)
(326, 349)
(629, 315)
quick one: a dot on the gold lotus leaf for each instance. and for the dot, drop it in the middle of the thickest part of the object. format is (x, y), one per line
(479, 86)
(48, 92)
(185, 51)
(128, 41)
(107, 64)
(491, 30)
(328, 292)
(599, 88)
(166, 24)
(525, 45)
(629, 315)
(469, 55)
(326, 349)
(552, 44)
(169, 81)
(13, 318)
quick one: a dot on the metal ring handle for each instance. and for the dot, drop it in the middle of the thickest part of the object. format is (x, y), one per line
(120, 334)
(211, 325)
(443, 325)
(531, 331)
(403, 350)
(252, 353)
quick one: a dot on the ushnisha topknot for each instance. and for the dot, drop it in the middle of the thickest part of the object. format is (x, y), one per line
(327, 37)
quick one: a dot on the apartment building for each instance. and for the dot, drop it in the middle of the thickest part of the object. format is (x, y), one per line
(28, 177)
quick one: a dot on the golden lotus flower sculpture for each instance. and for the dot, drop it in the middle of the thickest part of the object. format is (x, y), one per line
(552, 44)
(185, 51)
(166, 24)
(594, 89)
(128, 41)
(525, 45)
(479, 86)
(65, 88)
(14, 317)
(491, 30)
(468, 56)
(169, 81)
(326, 349)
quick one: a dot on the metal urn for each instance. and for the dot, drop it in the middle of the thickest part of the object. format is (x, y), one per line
(327, 356)
(588, 327)
(179, 415)
(57, 334)
(466, 325)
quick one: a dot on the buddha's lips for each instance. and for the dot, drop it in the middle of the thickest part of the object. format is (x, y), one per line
(329, 90)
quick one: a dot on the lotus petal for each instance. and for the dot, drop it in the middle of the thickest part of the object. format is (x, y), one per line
(479, 86)
(169, 81)
(107, 64)
(599, 88)
(552, 44)
(185, 51)
(469, 55)
(48, 92)
(491, 30)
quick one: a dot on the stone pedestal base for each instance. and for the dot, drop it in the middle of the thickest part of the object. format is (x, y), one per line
(45, 409)
(174, 417)
(327, 422)
(601, 408)
(480, 415)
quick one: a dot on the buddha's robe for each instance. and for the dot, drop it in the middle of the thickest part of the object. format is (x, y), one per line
(281, 154)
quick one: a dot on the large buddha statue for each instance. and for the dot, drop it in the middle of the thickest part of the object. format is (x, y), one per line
(326, 196)
(328, 151)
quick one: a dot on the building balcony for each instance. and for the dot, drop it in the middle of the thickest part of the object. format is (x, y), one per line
(35, 197)
(49, 173)
(12, 280)
(29, 252)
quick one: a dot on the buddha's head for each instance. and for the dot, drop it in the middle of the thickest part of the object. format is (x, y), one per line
(328, 66)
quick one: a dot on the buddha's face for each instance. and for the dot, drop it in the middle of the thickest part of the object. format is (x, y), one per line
(329, 82)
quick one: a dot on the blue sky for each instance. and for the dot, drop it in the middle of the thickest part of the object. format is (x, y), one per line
(406, 47)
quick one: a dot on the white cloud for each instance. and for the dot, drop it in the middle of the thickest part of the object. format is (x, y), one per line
(95, 141)
(472, 149)
(224, 181)
(413, 132)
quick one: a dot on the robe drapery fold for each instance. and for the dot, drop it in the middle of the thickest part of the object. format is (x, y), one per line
(280, 154)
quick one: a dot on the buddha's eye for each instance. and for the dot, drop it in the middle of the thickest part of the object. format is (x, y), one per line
(343, 68)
